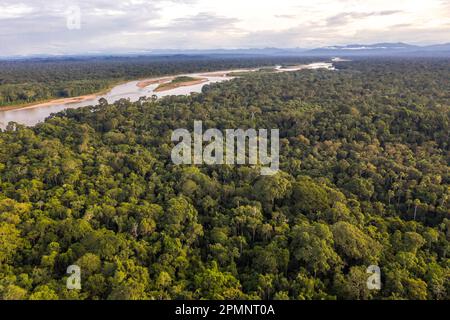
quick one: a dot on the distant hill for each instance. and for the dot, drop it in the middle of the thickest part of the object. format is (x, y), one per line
(377, 49)
(382, 49)
(350, 50)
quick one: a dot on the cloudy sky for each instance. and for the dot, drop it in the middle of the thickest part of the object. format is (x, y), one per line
(51, 27)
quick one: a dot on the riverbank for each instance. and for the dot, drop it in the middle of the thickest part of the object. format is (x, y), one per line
(175, 83)
(68, 100)
(145, 83)
(167, 83)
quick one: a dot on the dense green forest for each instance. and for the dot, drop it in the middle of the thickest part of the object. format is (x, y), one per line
(364, 180)
(27, 81)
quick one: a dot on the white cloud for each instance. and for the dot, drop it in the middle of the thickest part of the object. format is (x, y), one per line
(39, 26)
(9, 11)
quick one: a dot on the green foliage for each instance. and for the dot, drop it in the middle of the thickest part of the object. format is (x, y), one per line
(364, 180)
(355, 244)
(28, 81)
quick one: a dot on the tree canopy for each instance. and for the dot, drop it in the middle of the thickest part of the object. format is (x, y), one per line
(363, 180)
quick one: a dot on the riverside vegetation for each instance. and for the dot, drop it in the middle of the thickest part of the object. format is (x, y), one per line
(363, 180)
(25, 82)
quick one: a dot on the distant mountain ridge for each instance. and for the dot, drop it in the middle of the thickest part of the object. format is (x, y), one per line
(383, 49)
(377, 49)
(384, 46)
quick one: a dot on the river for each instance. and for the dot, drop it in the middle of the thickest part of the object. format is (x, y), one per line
(34, 114)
